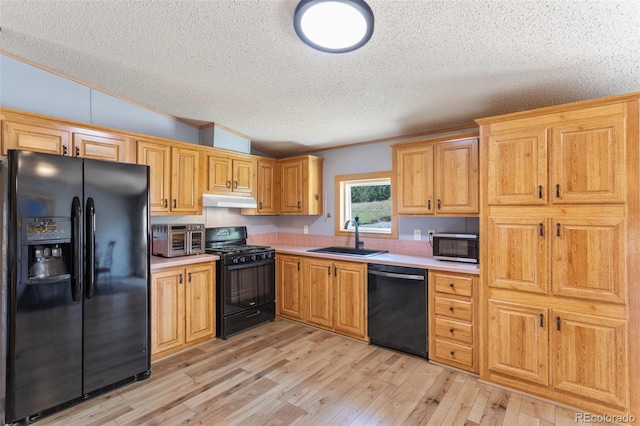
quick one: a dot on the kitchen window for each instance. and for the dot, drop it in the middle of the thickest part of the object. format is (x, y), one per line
(367, 196)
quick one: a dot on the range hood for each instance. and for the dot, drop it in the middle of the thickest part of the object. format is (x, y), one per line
(233, 201)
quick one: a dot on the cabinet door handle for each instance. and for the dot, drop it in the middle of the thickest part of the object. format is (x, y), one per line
(260, 206)
(298, 266)
(181, 279)
(557, 190)
(329, 270)
(335, 271)
(438, 203)
(64, 150)
(299, 205)
(166, 203)
(175, 203)
(235, 184)
(77, 151)
(451, 285)
(429, 205)
(539, 191)
(542, 320)
(189, 276)
(228, 184)
(558, 323)
(542, 230)
(558, 229)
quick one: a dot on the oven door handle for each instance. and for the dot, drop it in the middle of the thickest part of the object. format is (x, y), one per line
(250, 265)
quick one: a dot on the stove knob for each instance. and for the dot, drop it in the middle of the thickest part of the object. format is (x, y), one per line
(263, 256)
(253, 257)
(269, 255)
(236, 260)
(243, 259)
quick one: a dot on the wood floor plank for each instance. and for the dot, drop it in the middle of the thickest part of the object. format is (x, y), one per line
(286, 373)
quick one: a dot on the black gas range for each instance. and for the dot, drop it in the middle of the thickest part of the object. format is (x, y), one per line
(245, 280)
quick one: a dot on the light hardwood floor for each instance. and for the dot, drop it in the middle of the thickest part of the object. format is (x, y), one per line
(285, 373)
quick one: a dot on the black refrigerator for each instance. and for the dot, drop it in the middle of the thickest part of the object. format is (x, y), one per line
(75, 280)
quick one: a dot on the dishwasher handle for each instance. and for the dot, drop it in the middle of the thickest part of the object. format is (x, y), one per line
(394, 275)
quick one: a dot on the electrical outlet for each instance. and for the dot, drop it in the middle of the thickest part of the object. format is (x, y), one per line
(416, 234)
(430, 232)
(305, 229)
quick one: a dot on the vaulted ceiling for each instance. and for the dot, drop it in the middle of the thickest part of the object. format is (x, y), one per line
(429, 65)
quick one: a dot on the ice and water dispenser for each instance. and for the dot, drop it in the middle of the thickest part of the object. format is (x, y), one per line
(47, 248)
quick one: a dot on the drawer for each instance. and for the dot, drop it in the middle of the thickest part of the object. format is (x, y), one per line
(451, 308)
(453, 330)
(453, 284)
(458, 354)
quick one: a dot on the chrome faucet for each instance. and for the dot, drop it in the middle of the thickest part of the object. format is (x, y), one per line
(356, 224)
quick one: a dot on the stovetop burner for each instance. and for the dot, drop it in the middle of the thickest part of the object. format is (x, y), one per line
(237, 249)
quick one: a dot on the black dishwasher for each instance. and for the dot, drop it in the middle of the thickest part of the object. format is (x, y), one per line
(397, 312)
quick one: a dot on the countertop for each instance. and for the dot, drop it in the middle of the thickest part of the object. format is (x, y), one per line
(387, 259)
(158, 262)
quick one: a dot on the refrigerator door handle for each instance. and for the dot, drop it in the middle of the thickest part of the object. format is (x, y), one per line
(90, 235)
(76, 215)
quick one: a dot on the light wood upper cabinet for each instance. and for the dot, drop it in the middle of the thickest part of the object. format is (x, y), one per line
(576, 157)
(266, 196)
(158, 158)
(182, 307)
(518, 171)
(300, 180)
(437, 176)
(230, 174)
(289, 286)
(414, 173)
(34, 134)
(186, 194)
(456, 182)
(174, 176)
(36, 138)
(108, 148)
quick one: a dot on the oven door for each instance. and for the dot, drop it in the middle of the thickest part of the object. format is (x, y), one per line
(177, 243)
(248, 285)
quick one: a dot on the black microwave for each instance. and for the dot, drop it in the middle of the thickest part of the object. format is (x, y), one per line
(456, 247)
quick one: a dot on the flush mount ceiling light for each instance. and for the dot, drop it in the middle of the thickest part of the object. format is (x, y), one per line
(334, 26)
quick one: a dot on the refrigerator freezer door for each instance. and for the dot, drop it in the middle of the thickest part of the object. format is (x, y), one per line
(116, 316)
(44, 365)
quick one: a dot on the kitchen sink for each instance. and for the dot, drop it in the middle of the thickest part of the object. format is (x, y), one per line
(348, 251)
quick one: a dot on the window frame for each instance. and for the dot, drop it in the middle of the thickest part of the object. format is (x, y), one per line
(340, 182)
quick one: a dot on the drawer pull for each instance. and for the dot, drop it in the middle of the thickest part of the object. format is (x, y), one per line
(451, 308)
(453, 353)
(451, 285)
(451, 330)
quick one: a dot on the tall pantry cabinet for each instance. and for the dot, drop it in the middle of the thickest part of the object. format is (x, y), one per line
(560, 269)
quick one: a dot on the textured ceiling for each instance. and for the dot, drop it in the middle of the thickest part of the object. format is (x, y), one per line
(429, 65)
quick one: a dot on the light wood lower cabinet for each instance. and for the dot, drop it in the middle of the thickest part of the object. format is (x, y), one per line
(182, 307)
(324, 293)
(452, 316)
(568, 352)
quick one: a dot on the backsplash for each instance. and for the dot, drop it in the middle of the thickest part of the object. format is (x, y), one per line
(408, 247)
